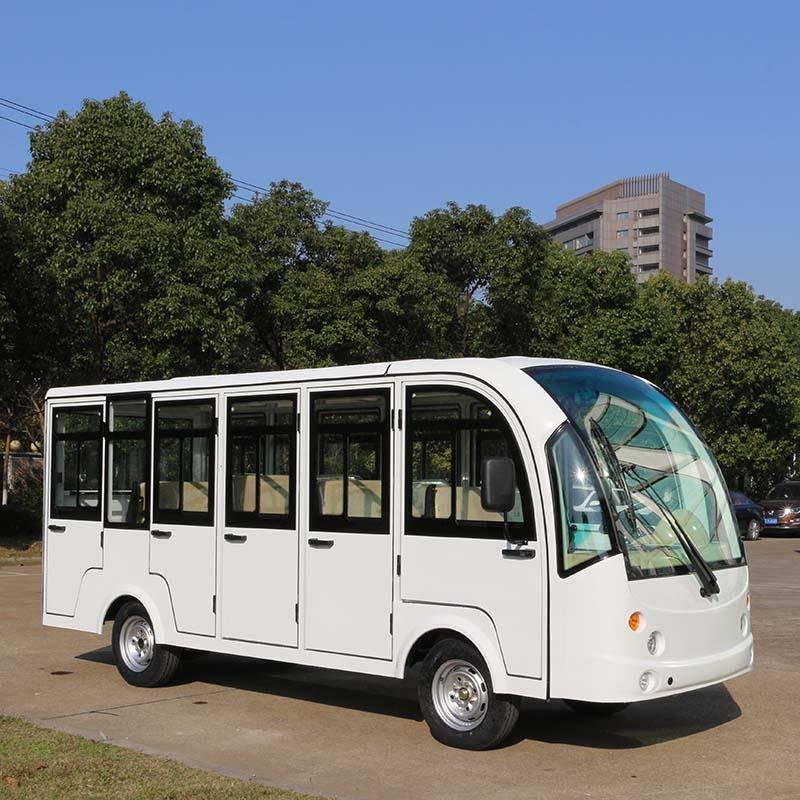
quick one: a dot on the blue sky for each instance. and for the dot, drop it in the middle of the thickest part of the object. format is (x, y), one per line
(389, 111)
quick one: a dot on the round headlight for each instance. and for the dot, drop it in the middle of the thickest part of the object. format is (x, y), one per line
(655, 643)
(647, 681)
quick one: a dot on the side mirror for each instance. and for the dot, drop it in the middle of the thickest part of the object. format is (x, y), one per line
(498, 478)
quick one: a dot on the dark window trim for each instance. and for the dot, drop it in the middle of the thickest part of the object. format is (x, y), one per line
(558, 501)
(180, 517)
(254, 519)
(68, 512)
(416, 526)
(119, 436)
(341, 523)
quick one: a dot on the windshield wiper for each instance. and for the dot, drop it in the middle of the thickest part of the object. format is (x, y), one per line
(706, 576)
(614, 466)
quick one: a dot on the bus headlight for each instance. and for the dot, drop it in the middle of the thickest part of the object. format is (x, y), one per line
(655, 643)
(744, 624)
(647, 681)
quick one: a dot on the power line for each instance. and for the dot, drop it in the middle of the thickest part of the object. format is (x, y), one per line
(20, 109)
(253, 187)
(17, 122)
(341, 216)
(376, 238)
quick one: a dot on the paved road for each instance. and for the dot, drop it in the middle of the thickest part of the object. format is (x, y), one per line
(353, 737)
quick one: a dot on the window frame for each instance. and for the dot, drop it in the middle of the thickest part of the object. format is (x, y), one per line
(451, 527)
(341, 523)
(254, 519)
(88, 514)
(111, 437)
(181, 517)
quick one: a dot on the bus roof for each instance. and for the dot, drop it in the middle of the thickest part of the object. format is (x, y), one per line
(479, 367)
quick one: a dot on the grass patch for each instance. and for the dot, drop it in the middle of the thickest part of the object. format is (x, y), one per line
(36, 763)
(18, 549)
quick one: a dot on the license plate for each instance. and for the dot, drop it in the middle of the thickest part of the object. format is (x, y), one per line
(770, 521)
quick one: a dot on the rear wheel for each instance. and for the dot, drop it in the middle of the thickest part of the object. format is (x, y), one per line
(753, 529)
(457, 699)
(596, 709)
(139, 658)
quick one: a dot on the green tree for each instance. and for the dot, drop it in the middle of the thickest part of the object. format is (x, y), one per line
(321, 294)
(735, 371)
(480, 255)
(120, 229)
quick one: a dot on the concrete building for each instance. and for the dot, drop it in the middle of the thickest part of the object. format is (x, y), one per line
(660, 223)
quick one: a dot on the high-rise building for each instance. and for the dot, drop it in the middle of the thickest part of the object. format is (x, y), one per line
(660, 223)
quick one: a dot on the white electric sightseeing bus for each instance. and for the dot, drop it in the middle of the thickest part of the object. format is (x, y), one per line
(517, 527)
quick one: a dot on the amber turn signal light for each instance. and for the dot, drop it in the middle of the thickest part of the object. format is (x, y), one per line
(635, 620)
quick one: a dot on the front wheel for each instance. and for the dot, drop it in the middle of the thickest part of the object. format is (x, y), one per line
(139, 658)
(457, 699)
(753, 530)
(596, 709)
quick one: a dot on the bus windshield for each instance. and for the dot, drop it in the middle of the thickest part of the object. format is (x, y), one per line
(658, 479)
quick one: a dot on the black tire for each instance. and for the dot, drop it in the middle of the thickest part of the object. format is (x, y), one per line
(149, 665)
(187, 654)
(753, 530)
(596, 709)
(493, 716)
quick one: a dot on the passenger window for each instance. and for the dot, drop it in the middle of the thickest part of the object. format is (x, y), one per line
(350, 447)
(584, 527)
(449, 435)
(128, 463)
(184, 446)
(76, 463)
(261, 462)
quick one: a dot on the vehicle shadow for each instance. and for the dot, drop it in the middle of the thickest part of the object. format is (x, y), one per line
(639, 725)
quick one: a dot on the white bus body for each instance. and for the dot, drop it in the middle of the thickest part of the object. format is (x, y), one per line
(333, 517)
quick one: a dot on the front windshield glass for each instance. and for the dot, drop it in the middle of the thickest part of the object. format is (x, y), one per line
(785, 491)
(658, 478)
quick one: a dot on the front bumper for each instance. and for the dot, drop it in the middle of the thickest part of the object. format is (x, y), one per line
(674, 677)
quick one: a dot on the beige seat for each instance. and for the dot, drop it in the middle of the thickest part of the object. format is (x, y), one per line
(274, 494)
(469, 506)
(195, 496)
(274, 491)
(364, 498)
(331, 496)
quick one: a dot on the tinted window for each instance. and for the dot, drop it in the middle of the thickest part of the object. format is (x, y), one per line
(128, 466)
(449, 435)
(184, 463)
(261, 461)
(76, 463)
(349, 461)
(785, 491)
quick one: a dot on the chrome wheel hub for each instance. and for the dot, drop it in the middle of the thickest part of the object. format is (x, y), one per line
(136, 643)
(460, 695)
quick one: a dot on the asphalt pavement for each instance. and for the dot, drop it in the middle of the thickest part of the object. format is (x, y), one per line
(350, 736)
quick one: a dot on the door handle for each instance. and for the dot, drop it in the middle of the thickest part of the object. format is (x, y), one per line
(57, 528)
(235, 537)
(161, 534)
(323, 544)
(521, 552)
